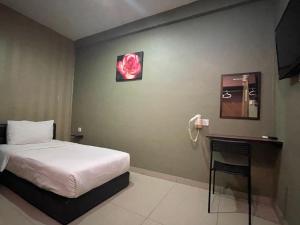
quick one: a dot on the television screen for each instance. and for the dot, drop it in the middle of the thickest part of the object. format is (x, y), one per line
(288, 41)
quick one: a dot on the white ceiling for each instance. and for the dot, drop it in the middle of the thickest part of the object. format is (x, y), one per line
(76, 19)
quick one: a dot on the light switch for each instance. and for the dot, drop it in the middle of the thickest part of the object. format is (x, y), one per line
(205, 122)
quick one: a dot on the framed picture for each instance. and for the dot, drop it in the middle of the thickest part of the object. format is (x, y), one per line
(130, 66)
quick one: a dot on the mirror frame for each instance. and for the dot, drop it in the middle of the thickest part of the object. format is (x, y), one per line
(258, 78)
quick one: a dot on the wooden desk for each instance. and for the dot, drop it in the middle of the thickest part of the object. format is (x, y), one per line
(248, 139)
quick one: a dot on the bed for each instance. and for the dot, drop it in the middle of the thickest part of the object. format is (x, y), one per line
(63, 179)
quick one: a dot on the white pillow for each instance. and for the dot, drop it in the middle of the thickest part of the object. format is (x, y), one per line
(28, 132)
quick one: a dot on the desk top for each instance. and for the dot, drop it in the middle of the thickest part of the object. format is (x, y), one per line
(249, 139)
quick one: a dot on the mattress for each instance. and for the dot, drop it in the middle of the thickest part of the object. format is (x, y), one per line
(64, 168)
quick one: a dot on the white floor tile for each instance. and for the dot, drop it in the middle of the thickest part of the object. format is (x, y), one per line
(230, 204)
(144, 194)
(34, 215)
(266, 212)
(151, 222)
(109, 214)
(185, 205)
(241, 219)
(260, 221)
(147, 201)
(233, 219)
(9, 214)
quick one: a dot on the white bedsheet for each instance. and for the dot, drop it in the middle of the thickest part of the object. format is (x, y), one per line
(65, 168)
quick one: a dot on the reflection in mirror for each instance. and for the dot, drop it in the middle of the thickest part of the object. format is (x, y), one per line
(240, 96)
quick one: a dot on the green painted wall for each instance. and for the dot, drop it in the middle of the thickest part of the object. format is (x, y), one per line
(36, 72)
(288, 128)
(288, 195)
(183, 63)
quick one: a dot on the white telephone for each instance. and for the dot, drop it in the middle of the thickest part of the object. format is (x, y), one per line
(197, 125)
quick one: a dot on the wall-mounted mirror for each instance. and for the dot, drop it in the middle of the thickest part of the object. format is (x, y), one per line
(240, 96)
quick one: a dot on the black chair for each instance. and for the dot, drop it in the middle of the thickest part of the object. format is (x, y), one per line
(232, 147)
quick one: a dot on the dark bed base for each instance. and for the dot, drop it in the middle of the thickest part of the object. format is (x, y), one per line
(63, 209)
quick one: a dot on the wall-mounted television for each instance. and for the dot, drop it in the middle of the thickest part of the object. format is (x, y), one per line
(288, 41)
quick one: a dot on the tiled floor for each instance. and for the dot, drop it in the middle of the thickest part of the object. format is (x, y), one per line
(147, 201)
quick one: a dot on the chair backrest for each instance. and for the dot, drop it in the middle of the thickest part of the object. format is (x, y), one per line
(236, 147)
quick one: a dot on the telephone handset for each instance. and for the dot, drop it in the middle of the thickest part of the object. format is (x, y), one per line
(197, 124)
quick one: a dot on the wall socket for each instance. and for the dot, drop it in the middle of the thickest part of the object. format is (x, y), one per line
(79, 129)
(205, 122)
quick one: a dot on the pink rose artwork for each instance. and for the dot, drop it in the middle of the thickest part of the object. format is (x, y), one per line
(130, 66)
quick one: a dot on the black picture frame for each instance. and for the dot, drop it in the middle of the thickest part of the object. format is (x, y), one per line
(131, 69)
(257, 98)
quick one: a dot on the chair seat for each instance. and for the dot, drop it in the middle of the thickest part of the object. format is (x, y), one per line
(231, 168)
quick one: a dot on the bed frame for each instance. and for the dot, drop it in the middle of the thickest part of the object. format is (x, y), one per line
(62, 209)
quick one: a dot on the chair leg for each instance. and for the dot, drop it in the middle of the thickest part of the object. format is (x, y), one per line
(214, 181)
(209, 190)
(249, 198)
